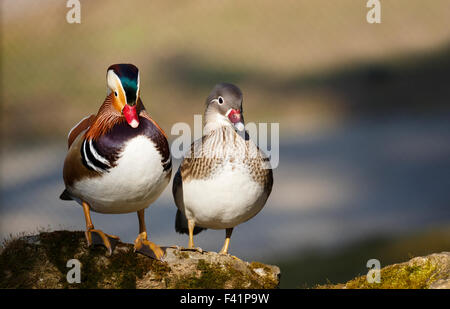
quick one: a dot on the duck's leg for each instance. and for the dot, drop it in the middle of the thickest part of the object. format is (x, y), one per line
(191, 226)
(144, 246)
(97, 237)
(227, 241)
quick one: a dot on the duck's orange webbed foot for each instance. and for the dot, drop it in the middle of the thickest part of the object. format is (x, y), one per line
(98, 237)
(148, 248)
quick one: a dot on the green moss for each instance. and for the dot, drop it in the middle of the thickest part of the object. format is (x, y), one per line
(60, 247)
(121, 270)
(256, 265)
(159, 270)
(211, 276)
(18, 261)
(40, 262)
(217, 276)
(400, 276)
(268, 282)
(184, 255)
(24, 263)
(327, 285)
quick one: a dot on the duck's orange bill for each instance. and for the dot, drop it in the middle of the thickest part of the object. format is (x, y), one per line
(131, 116)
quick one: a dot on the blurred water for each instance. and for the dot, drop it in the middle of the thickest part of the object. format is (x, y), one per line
(363, 178)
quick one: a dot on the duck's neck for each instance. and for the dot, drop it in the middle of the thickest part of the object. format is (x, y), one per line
(107, 117)
(214, 121)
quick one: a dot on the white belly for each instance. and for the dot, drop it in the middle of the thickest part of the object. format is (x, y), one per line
(134, 183)
(225, 200)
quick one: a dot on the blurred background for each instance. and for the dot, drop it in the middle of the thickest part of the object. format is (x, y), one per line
(363, 111)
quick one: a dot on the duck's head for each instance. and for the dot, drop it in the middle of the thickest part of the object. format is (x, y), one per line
(123, 82)
(224, 106)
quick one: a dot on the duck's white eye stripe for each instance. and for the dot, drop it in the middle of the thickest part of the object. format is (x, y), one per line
(138, 85)
(115, 83)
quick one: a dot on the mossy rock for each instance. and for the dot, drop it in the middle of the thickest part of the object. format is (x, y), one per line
(40, 261)
(431, 271)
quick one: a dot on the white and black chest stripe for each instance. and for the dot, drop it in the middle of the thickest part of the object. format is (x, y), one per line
(92, 159)
(102, 154)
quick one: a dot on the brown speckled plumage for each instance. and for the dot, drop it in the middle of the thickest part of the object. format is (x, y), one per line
(222, 146)
(225, 179)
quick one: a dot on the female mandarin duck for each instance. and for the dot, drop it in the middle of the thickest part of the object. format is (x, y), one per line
(226, 179)
(118, 160)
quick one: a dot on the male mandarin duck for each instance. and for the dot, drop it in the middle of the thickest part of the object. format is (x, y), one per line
(226, 179)
(118, 160)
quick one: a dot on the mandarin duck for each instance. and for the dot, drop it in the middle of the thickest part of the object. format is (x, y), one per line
(225, 179)
(118, 160)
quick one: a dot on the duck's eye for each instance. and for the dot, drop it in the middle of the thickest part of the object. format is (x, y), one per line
(115, 93)
(220, 100)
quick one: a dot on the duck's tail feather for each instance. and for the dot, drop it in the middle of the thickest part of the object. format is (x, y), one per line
(65, 196)
(181, 224)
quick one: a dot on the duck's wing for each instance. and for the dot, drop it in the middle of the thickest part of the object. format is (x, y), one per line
(177, 189)
(181, 222)
(81, 126)
(74, 168)
(189, 169)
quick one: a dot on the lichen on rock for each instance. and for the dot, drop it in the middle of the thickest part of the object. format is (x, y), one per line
(40, 261)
